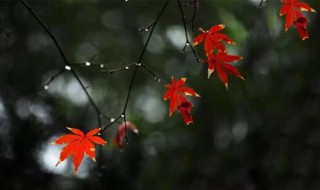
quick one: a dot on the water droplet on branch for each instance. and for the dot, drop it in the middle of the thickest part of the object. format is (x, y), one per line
(67, 67)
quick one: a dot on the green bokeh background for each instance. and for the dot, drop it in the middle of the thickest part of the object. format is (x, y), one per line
(263, 133)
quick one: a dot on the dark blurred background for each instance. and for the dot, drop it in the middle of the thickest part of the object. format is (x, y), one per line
(264, 133)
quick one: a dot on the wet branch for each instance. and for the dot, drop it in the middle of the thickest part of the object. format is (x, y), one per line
(66, 62)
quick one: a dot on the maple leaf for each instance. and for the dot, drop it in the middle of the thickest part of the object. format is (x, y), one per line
(212, 39)
(185, 109)
(301, 26)
(77, 144)
(292, 8)
(121, 133)
(219, 62)
(176, 92)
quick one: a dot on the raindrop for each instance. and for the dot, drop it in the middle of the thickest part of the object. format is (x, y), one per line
(127, 67)
(157, 79)
(67, 67)
(101, 65)
(138, 64)
(46, 87)
(122, 115)
(88, 63)
(112, 120)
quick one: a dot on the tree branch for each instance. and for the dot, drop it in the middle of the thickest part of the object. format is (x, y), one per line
(66, 62)
(186, 33)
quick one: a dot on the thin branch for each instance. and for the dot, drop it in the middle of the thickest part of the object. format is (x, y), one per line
(186, 33)
(147, 28)
(52, 78)
(88, 64)
(138, 64)
(195, 7)
(112, 121)
(119, 69)
(66, 62)
(130, 89)
(156, 78)
(125, 129)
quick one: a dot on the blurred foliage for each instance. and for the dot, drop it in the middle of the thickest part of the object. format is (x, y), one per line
(264, 133)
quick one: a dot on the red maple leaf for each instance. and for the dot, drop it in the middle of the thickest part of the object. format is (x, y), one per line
(176, 92)
(121, 133)
(301, 26)
(219, 63)
(185, 109)
(213, 40)
(77, 144)
(292, 8)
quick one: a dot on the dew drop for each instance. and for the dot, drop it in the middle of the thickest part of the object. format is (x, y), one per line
(99, 134)
(112, 120)
(127, 67)
(138, 64)
(46, 87)
(88, 63)
(67, 67)
(122, 115)
(157, 79)
(101, 65)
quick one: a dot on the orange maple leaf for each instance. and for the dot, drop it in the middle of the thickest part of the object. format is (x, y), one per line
(77, 144)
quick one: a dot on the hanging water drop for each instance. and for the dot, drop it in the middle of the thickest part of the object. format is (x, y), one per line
(67, 67)
(88, 63)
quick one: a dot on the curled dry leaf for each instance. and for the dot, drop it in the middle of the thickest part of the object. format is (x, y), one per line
(121, 133)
